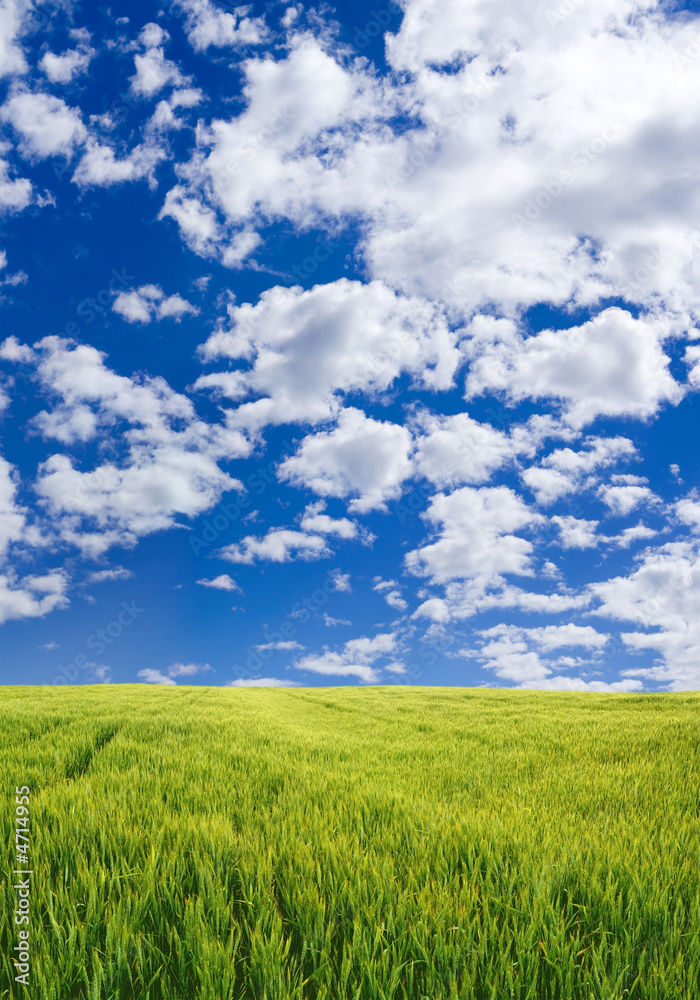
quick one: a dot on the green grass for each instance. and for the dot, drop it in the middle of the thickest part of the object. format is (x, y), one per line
(355, 844)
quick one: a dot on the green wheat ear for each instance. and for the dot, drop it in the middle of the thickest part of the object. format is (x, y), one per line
(355, 844)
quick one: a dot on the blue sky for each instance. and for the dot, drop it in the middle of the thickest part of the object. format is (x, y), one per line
(351, 345)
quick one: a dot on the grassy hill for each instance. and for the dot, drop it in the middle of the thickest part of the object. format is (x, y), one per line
(354, 844)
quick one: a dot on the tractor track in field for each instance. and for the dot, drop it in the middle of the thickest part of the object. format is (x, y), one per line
(82, 760)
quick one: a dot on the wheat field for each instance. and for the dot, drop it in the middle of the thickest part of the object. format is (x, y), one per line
(353, 844)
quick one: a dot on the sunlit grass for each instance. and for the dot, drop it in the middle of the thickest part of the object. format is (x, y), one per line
(368, 844)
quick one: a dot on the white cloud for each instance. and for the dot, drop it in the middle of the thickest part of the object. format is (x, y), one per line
(71, 63)
(291, 103)
(278, 545)
(454, 450)
(395, 600)
(391, 593)
(566, 471)
(12, 517)
(262, 682)
(576, 532)
(169, 460)
(509, 139)
(110, 575)
(282, 646)
(100, 167)
(330, 622)
(309, 348)
(12, 350)
(49, 646)
(623, 499)
(187, 669)
(634, 533)
(315, 520)
(153, 70)
(197, 223)
(46, 125)
(221, 582)
(614, 366)
(207, 25)
(13, 17)
(151, 676)
(15, 193)
(31, 597)
(341, 581)
(522, 656)
(362, 458)
(662, 595)
(149, 302)
(475, 536)
(190, 97)
(550, 637)
(686, 510)
(356, 659)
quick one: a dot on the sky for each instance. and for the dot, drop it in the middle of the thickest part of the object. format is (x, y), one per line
(350, 345)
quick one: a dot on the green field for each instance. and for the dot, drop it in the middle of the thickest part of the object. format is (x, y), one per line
(368, 844)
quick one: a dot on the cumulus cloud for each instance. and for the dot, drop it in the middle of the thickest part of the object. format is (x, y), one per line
(357, 658)
(221, 582)
(100, 166)
(262, 682)
(149, 302)
(278, 545)
(523, 656)
(110, 575)
(614, 366)
(315, 520)
(455, 450)
(341, 581)
(509, 139)
(15, 192)
(623, 499)
(46, 125)
(475, 536)
(391, 592)
(566, 471)
(13, 17)
(309, 348)
(31, 596)
(152, 676)
(12, 516)
(69, 64)
(576, 532)
(284, 646)
(662, 596)
(153, 70)
(169, 465)
(362, 458)
(207, 25)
